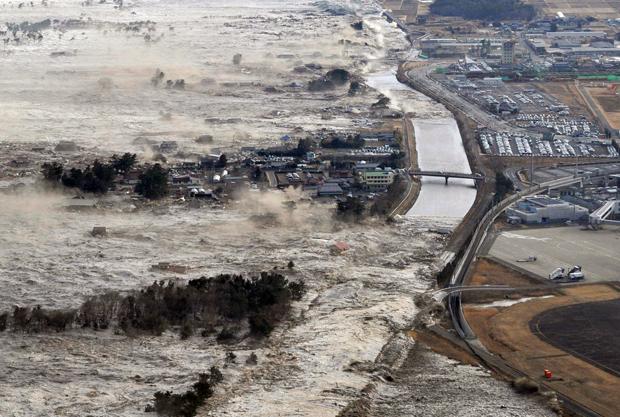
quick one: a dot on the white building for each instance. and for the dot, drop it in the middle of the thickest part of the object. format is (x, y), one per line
(379, 179)
(508, 53)
(543, 210)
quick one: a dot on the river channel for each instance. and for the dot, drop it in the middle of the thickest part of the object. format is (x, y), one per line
(439, 147)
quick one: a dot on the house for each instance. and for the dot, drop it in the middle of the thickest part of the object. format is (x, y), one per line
(329, 189)
(168, 146)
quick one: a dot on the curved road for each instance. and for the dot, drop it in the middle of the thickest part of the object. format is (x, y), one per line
(457, 278)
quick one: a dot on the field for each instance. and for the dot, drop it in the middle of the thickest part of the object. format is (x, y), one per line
(566, 92)
(406, 10)
(608, 103)
(571, 328)
(506, 332)
(595, 8)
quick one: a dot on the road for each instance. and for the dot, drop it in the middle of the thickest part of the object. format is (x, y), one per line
(456, 280)
(413, 188)
(595, 110)
(422, 81)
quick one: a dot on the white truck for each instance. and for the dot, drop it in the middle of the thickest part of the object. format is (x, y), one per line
(573, 274)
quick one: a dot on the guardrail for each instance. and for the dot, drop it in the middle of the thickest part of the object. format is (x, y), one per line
(454, 300)
(459, 273)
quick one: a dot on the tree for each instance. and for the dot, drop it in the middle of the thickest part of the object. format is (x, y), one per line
(123, 163)
(98, 178)
(222, 161)
(304, 146)
(153, 183)
(187, 330)
(52, 172)
(351, 208)
(503, 186)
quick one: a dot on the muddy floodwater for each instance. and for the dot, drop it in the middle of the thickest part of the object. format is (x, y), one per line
(89, 80)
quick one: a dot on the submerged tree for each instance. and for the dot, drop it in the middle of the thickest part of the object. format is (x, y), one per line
(153, 183)
(52, 172)
(123, 163)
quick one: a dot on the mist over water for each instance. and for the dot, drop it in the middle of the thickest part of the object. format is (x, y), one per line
(53, 88)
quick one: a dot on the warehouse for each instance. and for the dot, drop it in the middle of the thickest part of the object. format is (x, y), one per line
(543, 210)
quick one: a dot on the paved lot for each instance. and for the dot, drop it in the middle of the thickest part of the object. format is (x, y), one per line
(598, 252)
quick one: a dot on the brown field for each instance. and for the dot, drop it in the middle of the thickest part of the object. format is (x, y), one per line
(595, 8)
(506, 332)
(608, 103)
(567, 93)
(405, 10)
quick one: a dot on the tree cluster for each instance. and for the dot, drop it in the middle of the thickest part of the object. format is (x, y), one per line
(385, 202)
(350, 142)
(503, 186)
(96, 178)
(262, 301)
(153, 183)
(484, 9)
(352, 208)
(303, 147)
(186, 404)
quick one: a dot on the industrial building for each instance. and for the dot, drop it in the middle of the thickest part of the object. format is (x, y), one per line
(544, 210)
(447, 47)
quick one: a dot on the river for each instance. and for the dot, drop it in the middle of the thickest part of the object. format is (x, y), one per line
(439, 147)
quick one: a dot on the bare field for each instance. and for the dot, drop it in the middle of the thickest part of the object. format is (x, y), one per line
(595, 8)
(567, 93)
(608, 103)
(506, 332)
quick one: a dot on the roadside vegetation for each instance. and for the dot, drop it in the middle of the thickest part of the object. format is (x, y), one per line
(503, 186)
(489, 10)
(229, 302)
(386, 202)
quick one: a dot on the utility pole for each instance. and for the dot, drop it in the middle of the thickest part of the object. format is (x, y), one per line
(576, 165)
(532, 168)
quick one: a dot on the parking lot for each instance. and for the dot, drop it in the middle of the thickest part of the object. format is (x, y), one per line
(565, 246)
(521, 144)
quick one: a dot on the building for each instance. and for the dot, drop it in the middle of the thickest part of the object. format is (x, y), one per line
(544, 210)
(377, 180)
(580, 37)
(329, 189)
(448, 47)
(508, 53)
